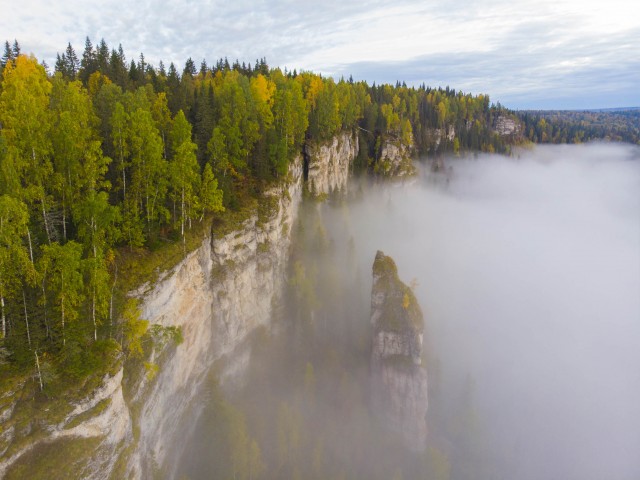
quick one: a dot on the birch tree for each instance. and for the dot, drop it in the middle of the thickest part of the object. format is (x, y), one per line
(184, 169)
(26, 123)
(62, 264)
(15, 265)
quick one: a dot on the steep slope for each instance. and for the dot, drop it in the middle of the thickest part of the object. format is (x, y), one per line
(217, 295)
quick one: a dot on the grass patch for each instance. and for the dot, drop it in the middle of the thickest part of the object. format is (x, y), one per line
(64, 458)
(138, 266)
(263, 247)
(100, 407)
(35, 411)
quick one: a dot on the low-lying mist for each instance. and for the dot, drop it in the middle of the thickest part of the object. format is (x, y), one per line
(527, 270)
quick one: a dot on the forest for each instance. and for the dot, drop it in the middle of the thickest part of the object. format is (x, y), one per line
(568, 126)
(107, 164)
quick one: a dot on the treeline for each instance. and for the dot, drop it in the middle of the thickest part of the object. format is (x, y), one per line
(564, 126)
(104, 156)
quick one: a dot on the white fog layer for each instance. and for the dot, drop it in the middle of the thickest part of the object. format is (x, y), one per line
(527, 270)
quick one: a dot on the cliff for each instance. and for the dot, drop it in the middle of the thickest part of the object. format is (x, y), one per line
(398, 378)
(327, 164)
(507, 126)
(434, 137)
(394, 159)
(218, 295)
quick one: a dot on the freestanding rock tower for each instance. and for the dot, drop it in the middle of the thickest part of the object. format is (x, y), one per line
(398, 378)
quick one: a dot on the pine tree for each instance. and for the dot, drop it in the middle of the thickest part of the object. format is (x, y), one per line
(102, 58)
(189, 68)
(61, 64)
(72, 62)
(7, 56)
(203, 68)
(89, 62)
(118, 68)
(16, 49)
(134, 73)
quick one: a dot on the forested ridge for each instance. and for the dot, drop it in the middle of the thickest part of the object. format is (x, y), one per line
(107, 158)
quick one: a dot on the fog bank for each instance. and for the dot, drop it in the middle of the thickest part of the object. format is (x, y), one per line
(529, 276)
(527, 270)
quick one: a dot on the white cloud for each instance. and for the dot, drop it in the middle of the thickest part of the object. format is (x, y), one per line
(555, 38)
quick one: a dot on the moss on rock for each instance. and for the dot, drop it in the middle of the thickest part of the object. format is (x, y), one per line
(399, 310)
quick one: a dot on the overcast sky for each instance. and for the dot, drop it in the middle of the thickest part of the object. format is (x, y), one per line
(523, 53)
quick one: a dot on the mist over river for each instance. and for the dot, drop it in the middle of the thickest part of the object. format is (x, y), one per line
(527, 269)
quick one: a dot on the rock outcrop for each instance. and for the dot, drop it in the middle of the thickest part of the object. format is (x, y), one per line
(103, 415)
(398, 378)
(434, 137)
(505, 125)
(328, 163)
(395, 158)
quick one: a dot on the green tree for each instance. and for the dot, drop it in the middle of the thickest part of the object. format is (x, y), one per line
(210, 196)
(217, 149)
(162, 117)
(61, 266)
(134, 328)
(78, 162)
(96, 220)
(15, 265)
(89, 62)
(26, 124)
(237, 118)
(290, 122)
(120, 132)
(185, 172)
(149, 181)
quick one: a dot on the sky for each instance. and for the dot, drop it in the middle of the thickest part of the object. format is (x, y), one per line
(543, 54)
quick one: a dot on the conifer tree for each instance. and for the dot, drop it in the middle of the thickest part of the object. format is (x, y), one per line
(89, 62)
(72, 62)
(16, 49)
(7, 56)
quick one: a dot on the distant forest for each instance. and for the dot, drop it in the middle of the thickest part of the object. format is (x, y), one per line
(576, 126)
(105, 160)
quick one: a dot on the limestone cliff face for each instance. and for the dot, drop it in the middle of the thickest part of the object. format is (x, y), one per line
(507, 125)
(395, 158)
(103, 415)
(436, 136)
(217, 295)
(398, 379)
(329, 163)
